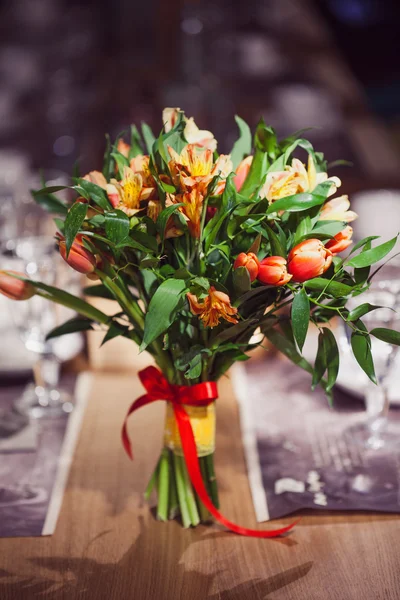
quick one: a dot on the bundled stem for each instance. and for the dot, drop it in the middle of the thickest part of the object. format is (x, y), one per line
(176, 495)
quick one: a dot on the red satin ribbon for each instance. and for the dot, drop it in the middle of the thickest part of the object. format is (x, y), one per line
(201, 394)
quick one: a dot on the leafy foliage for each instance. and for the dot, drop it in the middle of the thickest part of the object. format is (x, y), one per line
(166, 224)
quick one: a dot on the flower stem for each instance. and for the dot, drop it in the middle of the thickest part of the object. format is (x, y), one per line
(153, 481)
(211, 479)
(204, 513)
(180, 486)
(163, 486)
(190, 498)
(173, 495)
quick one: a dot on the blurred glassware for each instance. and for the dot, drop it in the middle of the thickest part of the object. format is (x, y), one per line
(32, 218)
(297, 105)
(376, 431)
(34, 318)
(8, 222)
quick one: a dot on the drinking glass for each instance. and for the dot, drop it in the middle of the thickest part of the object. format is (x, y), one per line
(377, 431)
(38, 257)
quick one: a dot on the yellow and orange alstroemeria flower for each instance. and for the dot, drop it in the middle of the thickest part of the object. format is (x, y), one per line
(295, 179)
(127, 194)
(193, 135)
(195, 167)
(192, 208)
(213, 308)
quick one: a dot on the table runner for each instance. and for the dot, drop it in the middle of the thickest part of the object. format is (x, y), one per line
(33, 476)
(297, 453)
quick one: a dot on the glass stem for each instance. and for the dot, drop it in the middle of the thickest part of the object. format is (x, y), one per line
(46, 374)
(377, 405)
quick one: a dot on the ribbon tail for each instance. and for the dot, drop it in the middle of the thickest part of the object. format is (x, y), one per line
(193, 467)
(142, 401)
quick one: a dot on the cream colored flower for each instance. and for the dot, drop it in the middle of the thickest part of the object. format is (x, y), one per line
(193, 135)
(337, 209)
(296, 179)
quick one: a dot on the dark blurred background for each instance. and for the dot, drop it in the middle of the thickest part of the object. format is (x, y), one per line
(71, 71)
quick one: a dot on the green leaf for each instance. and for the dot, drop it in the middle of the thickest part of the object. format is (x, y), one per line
(73, 222)
(300, 202)
(256, 174)
(386, 335)
(277, 249)
(116, 226)
(108, 163)
(164, 216)
(121, 161)
(94, 192)
(361, 346)
(68, 300)
(148, 137)
(326, 229)
(49, 202)
(167, 300)
(331, 288)
(364, 242)
(242, 146)
(332, 357)
(136, 143)
(327, 359)
(98, 291)
(303, 229)
(241, 280)
(320, 361)
(232, 332)
(228, 201)
(199, 285)
(287, 348)
(361, 310)
(70, 326)
(300, 317)
(369, 257)
(115, 330)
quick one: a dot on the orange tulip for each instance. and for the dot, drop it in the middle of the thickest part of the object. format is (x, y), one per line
(273, 271)
(308, 259)
(79, 258)
(341, 240)
(13, 288)
(250, 262)
(241, 172)
(213, 308)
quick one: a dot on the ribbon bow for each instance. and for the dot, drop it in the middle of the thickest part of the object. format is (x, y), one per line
(201, 394)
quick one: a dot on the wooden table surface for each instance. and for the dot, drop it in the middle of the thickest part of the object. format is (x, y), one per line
(109, 546)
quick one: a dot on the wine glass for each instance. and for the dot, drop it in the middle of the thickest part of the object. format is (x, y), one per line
(38, 257)
(377, 431)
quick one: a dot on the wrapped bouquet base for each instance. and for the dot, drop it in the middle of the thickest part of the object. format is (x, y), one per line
(186, 482)
(175, 492)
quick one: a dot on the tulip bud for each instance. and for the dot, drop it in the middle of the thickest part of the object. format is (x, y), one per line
(242, 171)
(79, 258)
(341, 240)
(250, 262)
(211, 211)
(273, 271)
(13, 288)
(308, 259)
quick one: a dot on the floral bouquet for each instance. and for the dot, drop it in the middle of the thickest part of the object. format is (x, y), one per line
(201, 251)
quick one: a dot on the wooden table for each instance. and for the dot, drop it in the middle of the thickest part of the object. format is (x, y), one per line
(109, 546)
